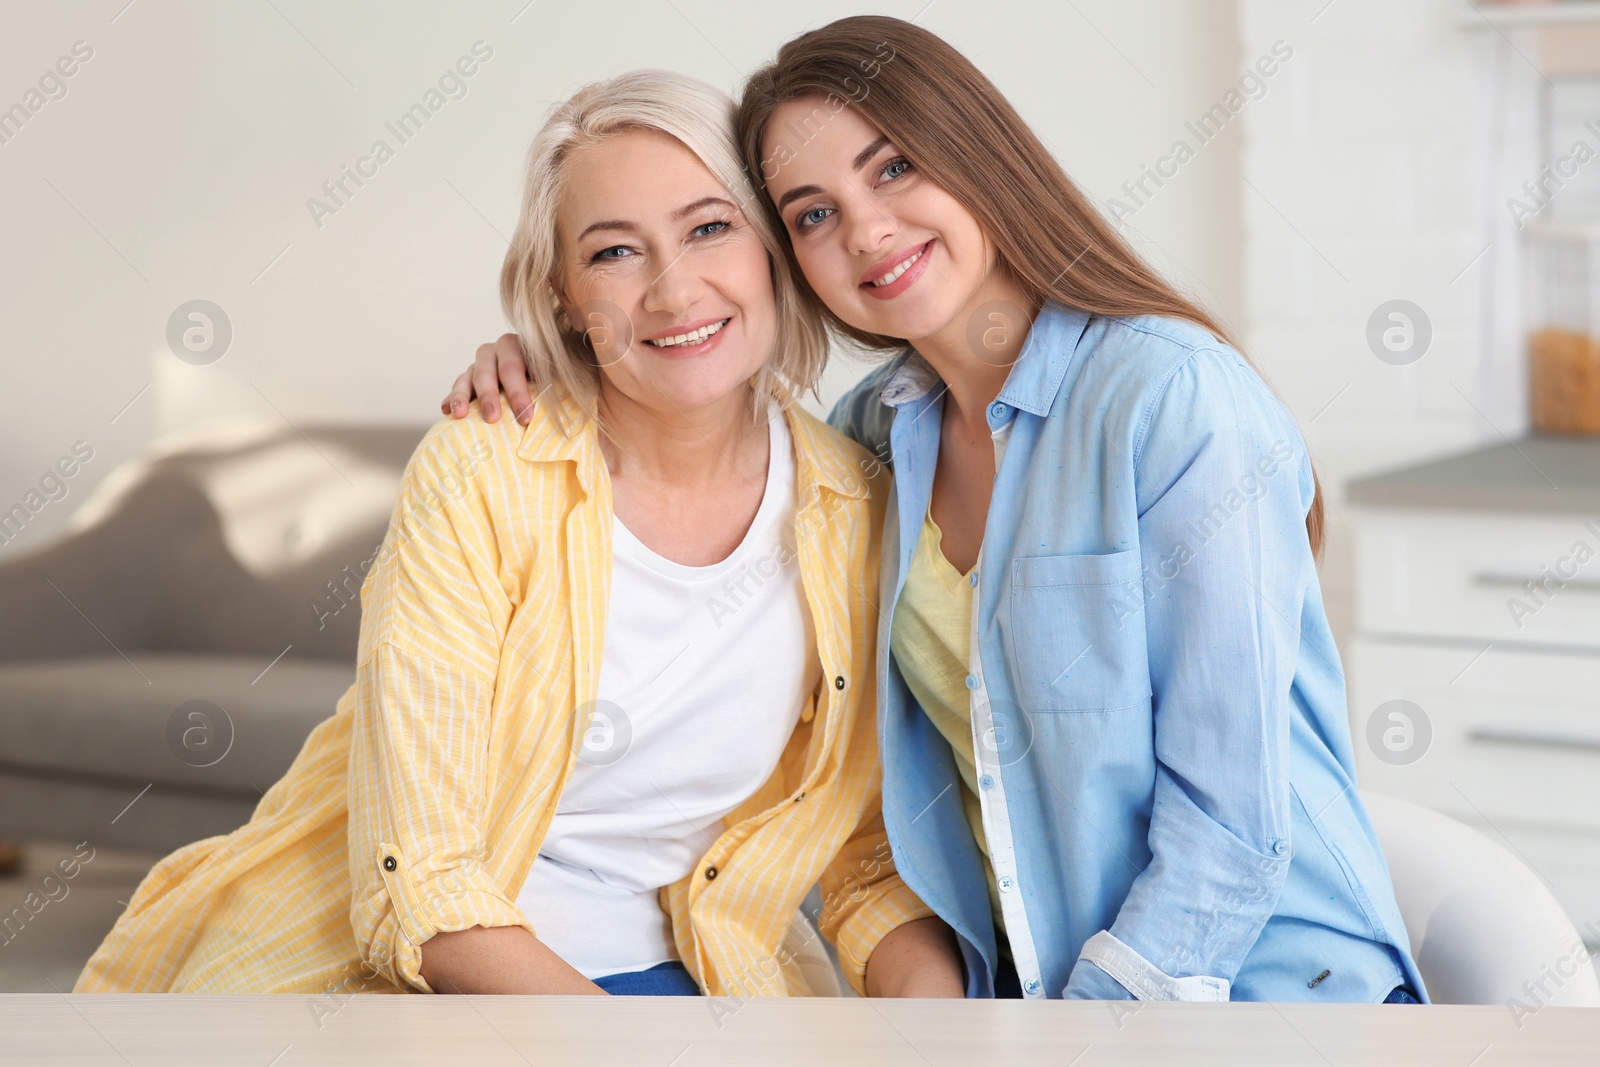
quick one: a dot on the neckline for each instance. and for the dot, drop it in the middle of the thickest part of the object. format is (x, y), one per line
(780, 481)
(952, 577)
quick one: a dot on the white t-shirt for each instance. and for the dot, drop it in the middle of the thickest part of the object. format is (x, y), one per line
(703, 677)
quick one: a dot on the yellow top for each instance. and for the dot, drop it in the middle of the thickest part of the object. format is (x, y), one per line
(931, 636)
(419, 806)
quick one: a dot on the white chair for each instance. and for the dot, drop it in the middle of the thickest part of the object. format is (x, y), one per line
(1484, 928)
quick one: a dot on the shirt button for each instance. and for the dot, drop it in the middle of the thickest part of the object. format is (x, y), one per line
(1006, 885)
(838, 683)
(972, 579)
(711, 872)
(388, 863)
(986, 782)
(997, 410)
(1031, 986)
(1281, 847)
(972, 681)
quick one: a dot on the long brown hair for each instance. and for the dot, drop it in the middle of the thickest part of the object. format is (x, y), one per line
(957, 128)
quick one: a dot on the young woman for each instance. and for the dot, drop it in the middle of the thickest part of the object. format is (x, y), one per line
(612, 716)
(1111, 710)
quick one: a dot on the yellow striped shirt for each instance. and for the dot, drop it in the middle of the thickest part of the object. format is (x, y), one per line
(419, 806)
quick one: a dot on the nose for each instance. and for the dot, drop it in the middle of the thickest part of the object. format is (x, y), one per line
(867, 227)
(674, 289)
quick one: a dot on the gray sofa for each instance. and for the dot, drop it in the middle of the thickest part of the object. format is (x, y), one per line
(162, 663)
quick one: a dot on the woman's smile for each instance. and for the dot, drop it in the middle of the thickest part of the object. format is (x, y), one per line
(689, 339)
(891, 277)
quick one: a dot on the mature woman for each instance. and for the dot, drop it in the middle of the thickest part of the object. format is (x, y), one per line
(612, 716)
(1112, 712)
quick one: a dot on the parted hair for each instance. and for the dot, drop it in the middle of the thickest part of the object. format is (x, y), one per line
(960, 131)
(698, 116)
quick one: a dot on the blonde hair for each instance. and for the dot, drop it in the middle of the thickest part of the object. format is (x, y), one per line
(698, 116)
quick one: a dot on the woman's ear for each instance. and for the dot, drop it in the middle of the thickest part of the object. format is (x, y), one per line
(558, 291)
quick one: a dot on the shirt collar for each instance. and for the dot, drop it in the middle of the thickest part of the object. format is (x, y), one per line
(823, 458)
(559, 429)
(1035, 377)
(909, 381)
(562, 429)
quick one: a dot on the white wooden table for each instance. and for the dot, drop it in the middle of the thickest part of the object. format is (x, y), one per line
(282, 1031)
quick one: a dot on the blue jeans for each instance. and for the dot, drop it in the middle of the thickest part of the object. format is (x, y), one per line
(670, 979)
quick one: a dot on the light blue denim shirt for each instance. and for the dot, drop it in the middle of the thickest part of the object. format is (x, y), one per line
(1165, 764)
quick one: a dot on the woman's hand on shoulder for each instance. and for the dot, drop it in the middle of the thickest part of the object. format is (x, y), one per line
(499, 367)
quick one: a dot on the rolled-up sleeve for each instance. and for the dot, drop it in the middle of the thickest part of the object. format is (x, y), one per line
(1224, 485)
(433, 620)
(864, 898)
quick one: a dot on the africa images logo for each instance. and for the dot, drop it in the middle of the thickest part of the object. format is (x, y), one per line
(451, 85)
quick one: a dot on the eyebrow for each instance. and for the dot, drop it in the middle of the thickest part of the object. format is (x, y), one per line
(865, 155)
(796, 193)
(633, 227)
(862, 159)
(704, 201)
(608, 224)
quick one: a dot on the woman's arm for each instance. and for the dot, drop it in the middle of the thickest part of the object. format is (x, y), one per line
(890, 943)
(917, 959)
(498, 368)
(434, 615)
(499, 959)
(1223, 484)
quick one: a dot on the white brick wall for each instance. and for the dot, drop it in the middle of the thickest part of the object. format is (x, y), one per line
(194, 137)
(1365, 185)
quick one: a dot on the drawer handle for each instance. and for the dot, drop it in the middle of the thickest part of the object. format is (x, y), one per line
(1518, 581)
(1545, 738)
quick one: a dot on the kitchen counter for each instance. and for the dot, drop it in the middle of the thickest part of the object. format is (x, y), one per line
(1535, 474)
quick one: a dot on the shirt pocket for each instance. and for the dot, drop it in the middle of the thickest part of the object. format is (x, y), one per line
(1077, 632)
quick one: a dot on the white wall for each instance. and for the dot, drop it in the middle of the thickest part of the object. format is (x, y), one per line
(179, 162)
(1365, 183)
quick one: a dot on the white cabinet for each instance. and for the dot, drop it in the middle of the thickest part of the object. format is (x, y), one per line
(1486, 625)
(1480, 577)
(1508, 734)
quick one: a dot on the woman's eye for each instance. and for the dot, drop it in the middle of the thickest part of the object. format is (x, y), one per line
(709, 229)
(894, 168)
(812, 217)
(615, 252)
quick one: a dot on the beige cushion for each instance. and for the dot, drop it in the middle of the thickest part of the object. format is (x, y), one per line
(103, 718)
